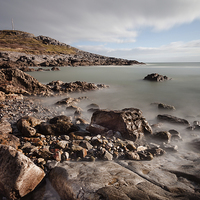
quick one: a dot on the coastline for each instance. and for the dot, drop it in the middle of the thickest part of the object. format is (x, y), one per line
(141, 159)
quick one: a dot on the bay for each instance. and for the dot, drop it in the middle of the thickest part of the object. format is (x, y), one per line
(128, 89)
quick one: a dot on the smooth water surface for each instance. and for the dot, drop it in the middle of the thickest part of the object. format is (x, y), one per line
(128, 89)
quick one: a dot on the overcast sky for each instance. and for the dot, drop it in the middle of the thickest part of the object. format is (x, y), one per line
(143, 30)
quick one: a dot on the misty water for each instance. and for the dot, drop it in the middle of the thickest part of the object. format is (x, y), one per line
(128, 89)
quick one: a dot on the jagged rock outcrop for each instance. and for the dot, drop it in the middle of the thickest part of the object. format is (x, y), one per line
(129, 122)
(18, 82)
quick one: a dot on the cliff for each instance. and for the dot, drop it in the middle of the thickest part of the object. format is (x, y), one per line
(18, 49)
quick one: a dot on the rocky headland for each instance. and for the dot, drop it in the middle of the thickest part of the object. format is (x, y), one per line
(74, 149)
(20, 49)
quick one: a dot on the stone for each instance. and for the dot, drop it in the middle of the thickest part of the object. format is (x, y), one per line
(5, 127)
(55, 69)
(173, 119)
(129, 122)
(132, 155)
(2, 96)
(59, 125)
(107, 180)
(163, 136)
(18, 174)
(165, 106)
(6, 138)
(26, 125)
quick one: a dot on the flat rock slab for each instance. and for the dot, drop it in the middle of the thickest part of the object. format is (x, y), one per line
(124, 180)
(18, 174)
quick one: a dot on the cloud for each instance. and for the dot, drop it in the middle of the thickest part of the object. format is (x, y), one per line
(100, 21)
(173, 52)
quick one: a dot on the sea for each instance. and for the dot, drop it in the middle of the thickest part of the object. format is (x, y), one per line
(127, 89)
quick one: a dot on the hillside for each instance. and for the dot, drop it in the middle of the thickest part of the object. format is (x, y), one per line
(19, 41)
(22, 49)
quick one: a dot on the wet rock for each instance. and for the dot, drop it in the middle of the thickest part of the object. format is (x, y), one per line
(156, 77)
(175, 135)
(165, 106)
(173, 119)
(55, 69)
(69, 101)
(163, 136)
(129, 122)
(93, 106)
(170, 147)
(18, 175)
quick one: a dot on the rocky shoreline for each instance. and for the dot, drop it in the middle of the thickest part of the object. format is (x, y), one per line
(112, 155)
(21, 60)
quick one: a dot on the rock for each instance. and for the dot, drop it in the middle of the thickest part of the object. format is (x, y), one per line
(165, 106)
(5, 137)
(18, 174)
(163, 136)
(77, 86)
(55, 69)
(69, 101)
(129, 122)
(175, 135)
(2, 96)
(104, 180)
(26, 125)
(156, 77)
(173, 119)
(5, 127)
(93, 105)
(132, 155)
(60, 119)
(59, 125)
(16, 81)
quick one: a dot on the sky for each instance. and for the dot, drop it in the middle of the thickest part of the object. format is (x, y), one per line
(143, 30)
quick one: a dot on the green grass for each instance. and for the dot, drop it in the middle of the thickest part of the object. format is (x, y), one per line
(19, 41)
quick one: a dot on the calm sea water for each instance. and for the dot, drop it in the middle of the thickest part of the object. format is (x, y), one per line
(128, 89)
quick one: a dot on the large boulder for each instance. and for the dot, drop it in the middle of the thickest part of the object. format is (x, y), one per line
(129, 122)
(16, 81)
(18, 174)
